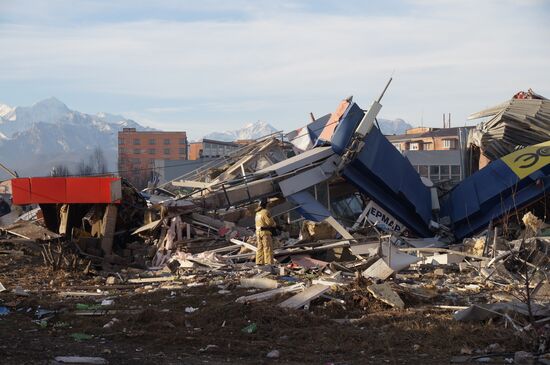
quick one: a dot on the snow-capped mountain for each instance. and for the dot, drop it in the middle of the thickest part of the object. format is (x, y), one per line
(396, 126)
(249, 131)
(35, 138)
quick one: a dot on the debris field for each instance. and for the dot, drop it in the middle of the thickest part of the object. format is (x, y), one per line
(374, 264)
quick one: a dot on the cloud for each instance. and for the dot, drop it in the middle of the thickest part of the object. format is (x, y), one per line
(237, 62)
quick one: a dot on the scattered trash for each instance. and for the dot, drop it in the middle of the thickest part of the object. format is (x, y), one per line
(208, 347)
(251, 328)
(111, 323)
(20, 291)
(389, 234)
(273, 354)
(79, 337)
(107, 302)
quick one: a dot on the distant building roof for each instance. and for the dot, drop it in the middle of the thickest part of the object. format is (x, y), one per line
(205, 140)
(443, 157)
(433, 132)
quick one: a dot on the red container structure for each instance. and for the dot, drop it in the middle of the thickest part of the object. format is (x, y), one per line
(54, 190)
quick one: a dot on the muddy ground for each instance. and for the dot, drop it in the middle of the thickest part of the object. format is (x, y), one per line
(152, 326)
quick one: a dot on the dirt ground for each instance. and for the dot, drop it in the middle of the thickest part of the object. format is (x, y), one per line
(152, 326)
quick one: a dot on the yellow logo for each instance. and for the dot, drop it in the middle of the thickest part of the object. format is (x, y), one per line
(529, 159)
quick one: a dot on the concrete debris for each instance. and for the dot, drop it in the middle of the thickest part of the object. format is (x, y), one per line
(301, 299)
(348, 214)
(384, 293)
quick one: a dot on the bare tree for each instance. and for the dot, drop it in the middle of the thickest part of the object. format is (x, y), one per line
(98, 161)
(95, 165)
(84, 169)
(60, 170)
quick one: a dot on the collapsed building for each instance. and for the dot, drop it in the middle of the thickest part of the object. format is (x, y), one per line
(343, 194)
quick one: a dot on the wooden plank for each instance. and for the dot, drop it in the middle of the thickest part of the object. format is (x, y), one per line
(191, 184)
(157, 279)
(245, 244)
(270, 293)
(148, 227)
(339, 228)
(108, 228)
(301, 299)
(82, 294)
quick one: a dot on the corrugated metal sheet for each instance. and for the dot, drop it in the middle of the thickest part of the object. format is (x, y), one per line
(519, 122)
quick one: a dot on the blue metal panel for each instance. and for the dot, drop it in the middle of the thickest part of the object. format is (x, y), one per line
(309, 207)
(383, 174)
(489, 194)
(345, 129)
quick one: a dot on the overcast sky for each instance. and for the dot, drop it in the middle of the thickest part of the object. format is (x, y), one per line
(204, 66)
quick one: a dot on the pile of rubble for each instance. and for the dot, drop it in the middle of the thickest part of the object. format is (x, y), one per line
(352, 233)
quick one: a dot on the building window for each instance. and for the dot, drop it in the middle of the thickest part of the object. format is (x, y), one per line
(449, 144)
(183, 140)
(398, 146)
(455, 173)
(137, 141)
(166, 141)
(121, 141)
(137, 151)
(152, 151)
(136, 161)
(434, 173)
(167, 151)
(414, 146)
(444, 172)
(182, 151)
(428, 146)
(423, 170)
(152, 141)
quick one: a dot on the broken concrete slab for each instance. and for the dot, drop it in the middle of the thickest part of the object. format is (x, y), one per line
(301, 299)
(386, 294)
(379, 270)
(481, 312)
(270, 294)
(444, 259)
(308, 263)
(260, 283)
(30, 231)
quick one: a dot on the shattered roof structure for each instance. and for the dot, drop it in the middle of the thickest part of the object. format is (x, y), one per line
(522, 121)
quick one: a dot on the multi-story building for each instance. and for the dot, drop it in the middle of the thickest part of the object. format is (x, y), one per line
(209, 148)
(137, 152)
(436, 153)
(426, 139)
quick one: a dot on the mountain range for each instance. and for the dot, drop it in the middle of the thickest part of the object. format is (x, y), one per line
(249, 131)
(35, 138)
